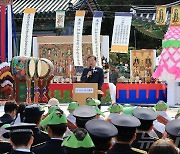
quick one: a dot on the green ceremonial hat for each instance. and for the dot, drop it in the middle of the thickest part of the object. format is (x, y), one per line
(98, 111)
(73, 142)
(161, 105)
(73, 105)
(92, 102)
(114, 108)
(129, 110)
(52, 109)
(55, 118)
(178, 112)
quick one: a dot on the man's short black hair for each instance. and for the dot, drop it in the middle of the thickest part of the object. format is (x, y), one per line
(91, 56)
(10, 107)
(145, 125)
(125, 134)
(58, 130)
(20, 139)
(101, 144)
(35, 120)
(68, 150)
(80, 122)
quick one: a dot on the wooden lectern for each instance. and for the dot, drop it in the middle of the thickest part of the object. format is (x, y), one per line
(81, 91)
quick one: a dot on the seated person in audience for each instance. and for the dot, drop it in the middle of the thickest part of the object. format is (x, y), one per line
(33, 114)
(53, 102)
(21, 138)
(158, 128)
(52, 105)
(126, 126)
(177, 116)
(101, 133)
(5, 146)
(20, 111)
(10, 109)
(164, 147)
(114, 109)
(79, 142)
(173, 131)
(83, 114)
(143, 140)
(56, 125)
(161, 108)
(70, 118)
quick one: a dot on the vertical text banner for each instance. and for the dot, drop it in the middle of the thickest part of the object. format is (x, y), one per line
(26, 32)
(77, 41)
(160, 15)
(9, 28)
(121, 32)
(175, 15)
(96, 30)
(60, 16)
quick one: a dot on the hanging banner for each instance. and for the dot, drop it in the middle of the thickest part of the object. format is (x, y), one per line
(175, 15)
(160, 15)
(77, 41)
(3, 32)
(60, 16)
(96, 30)
(9, 29)
(121, 32)
(26, 32)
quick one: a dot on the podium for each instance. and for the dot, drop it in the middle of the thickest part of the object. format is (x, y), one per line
(81, 91)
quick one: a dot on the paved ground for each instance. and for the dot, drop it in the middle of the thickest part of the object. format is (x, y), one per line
(171, 111)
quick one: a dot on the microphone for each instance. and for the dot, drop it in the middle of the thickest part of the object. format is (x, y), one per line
(90, 69)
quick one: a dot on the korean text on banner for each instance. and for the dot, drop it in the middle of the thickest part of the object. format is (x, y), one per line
(175, 15)
(161, 15)
(60, 16)
(77, 41)
(96, 30)
(26, 33)
(121, 32)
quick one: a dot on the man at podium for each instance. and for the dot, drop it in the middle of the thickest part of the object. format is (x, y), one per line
(93, 74)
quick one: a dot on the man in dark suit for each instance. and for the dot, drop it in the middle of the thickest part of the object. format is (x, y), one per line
(93, 74)
(10, 109)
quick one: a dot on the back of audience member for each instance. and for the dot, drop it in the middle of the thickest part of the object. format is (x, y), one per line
(101, 133)
(21, 138)
(126, 125)
(173, 131)
(163, 147)
(33, 114)
(56, 125)
(143, 140)
(114, 109)
(161, 108)
(20, 110)
(83, 114)
(79, 142)
(70, 118)
(10, 109)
